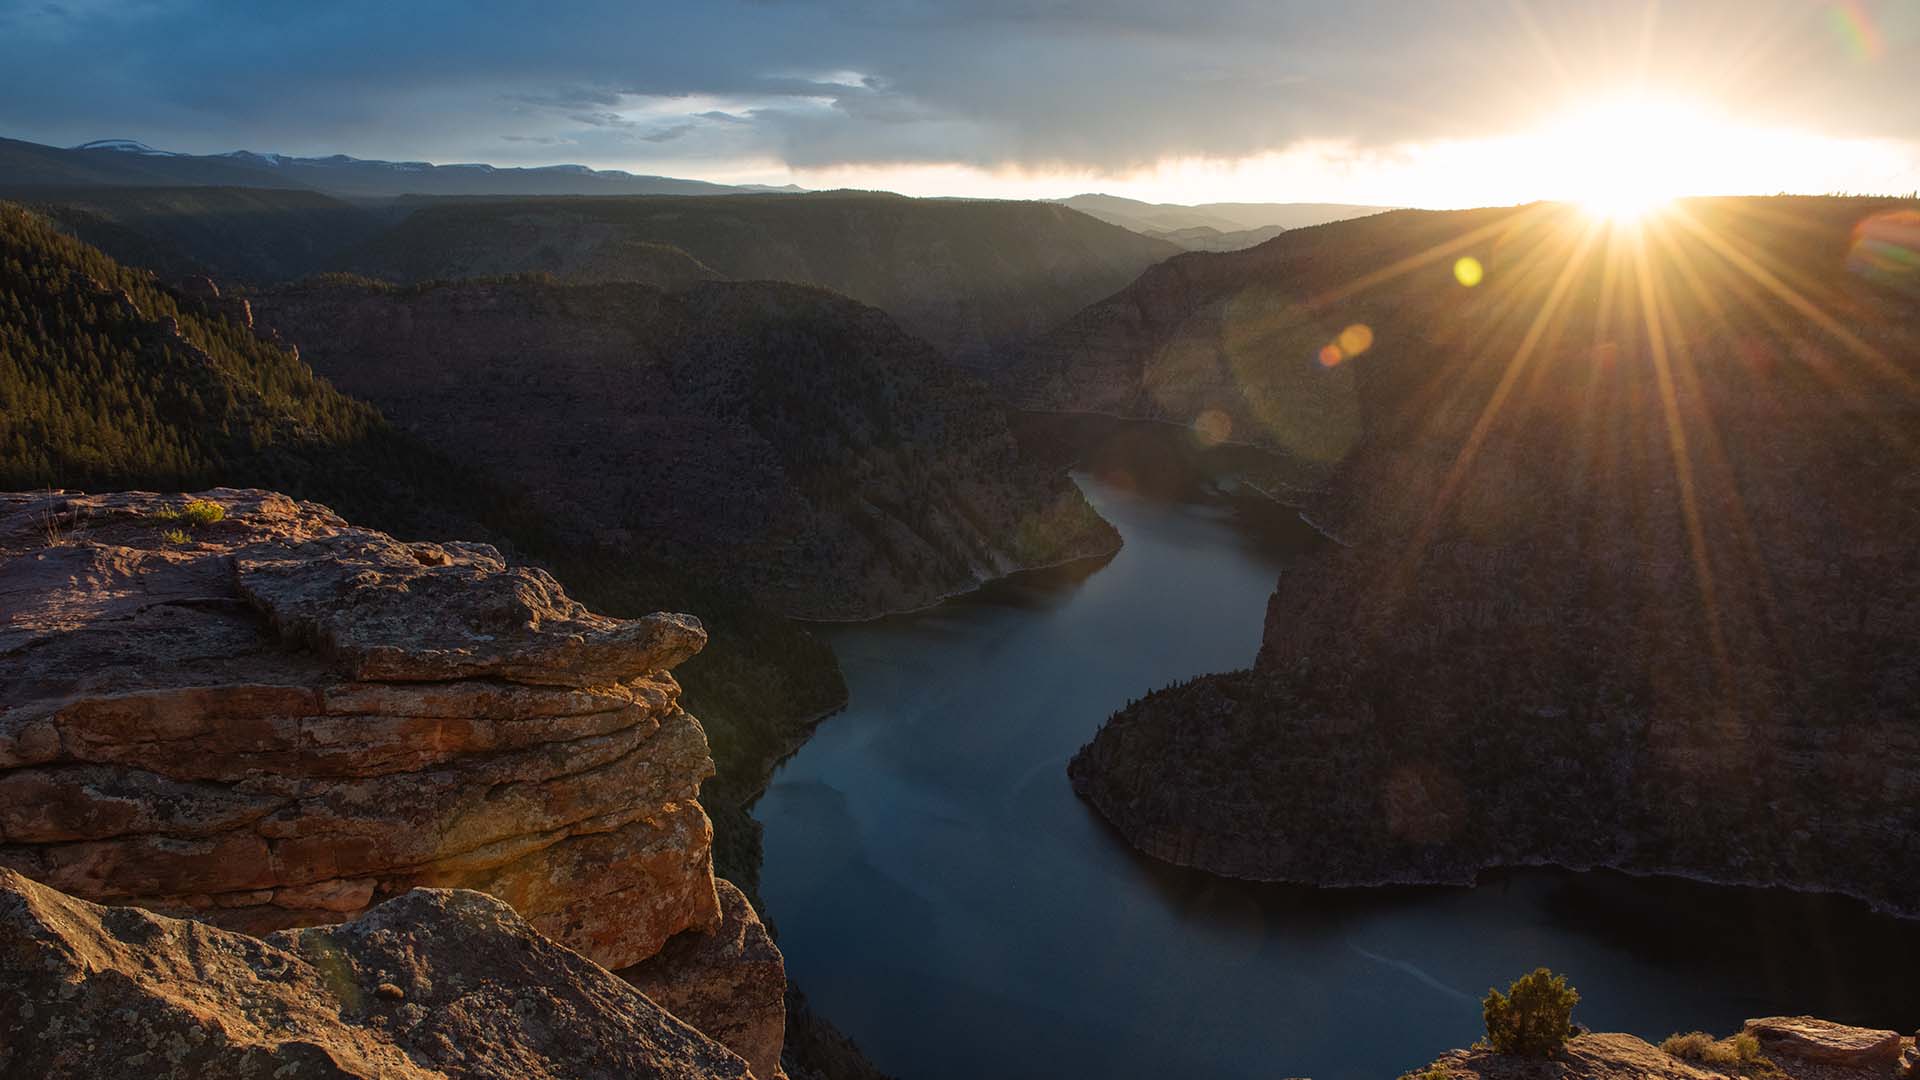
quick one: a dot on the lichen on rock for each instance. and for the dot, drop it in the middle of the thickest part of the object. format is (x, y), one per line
(430, 985)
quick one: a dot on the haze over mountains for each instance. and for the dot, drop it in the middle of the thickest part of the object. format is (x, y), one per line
(1214, 226)
(976, 278)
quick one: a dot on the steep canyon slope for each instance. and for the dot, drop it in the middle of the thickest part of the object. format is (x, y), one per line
(792, 443)
(1625, 558)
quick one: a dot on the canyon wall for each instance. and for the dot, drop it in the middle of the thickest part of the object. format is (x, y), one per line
(790, 444)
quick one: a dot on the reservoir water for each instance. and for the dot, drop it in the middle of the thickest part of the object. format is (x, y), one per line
(943, 897)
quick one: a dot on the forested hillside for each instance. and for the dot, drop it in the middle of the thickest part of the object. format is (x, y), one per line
(229, 233)
(108, 380)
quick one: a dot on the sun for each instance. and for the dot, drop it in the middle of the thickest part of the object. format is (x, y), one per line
(1624, 158)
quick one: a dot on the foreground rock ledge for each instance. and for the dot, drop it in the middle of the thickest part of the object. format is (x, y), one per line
(730, 982)
(433, 984)
(1799, 1047)
(284, 720)
(1823, 1042)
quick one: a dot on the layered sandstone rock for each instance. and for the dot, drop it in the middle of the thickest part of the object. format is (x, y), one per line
(431, 985)
(1823, 1042)
(730, 982)
(279, 720)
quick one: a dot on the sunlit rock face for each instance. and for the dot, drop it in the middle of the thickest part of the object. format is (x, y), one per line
(276, 719)
(430, 984)
(730, 982)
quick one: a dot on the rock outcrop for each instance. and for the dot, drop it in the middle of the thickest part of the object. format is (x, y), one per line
(730, 982)
(1823, 1042)
(1790, 1048)
(275, 719)
(431, 985)
(1586, 1057)
(1626, 542)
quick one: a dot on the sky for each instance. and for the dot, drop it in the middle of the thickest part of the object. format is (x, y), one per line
(1438, 103)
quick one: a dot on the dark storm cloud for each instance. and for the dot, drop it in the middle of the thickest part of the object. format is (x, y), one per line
(1107, 84)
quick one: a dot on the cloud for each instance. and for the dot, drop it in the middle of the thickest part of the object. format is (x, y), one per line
(668, 134)
(1081, 84)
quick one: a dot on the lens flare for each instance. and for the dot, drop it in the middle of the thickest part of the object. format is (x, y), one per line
(1468, 271)
(1855, 28)
(1212, 427)
(1886, 249)
(1352, 341)
(1356, 339)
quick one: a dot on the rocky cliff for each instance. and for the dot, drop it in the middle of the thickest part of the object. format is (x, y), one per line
(430, 985)
(1626, 534)
(275, 719)
(793, 444)
(239, 708)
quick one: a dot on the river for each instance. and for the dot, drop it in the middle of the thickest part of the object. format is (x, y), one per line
(942, 896)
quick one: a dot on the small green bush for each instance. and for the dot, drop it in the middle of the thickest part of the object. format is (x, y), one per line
(176, 536)
(202, 512)
(194, 514)
(1534, 1018)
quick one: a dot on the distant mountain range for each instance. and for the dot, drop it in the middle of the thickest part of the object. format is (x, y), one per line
(126, 163)
(1214, 226)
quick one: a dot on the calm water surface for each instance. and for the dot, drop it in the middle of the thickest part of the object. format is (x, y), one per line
(942, 896)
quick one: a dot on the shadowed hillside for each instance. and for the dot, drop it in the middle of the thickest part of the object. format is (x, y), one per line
(794, 444)
(107, 380)
(973, 277)
(245, 234)
(1626, 522)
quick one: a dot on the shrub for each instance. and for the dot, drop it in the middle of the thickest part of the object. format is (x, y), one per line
(202, 512)
(1739, 1054)
(176, 536)
(1533, 1018)
(196, 513)
(1693, 1046)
